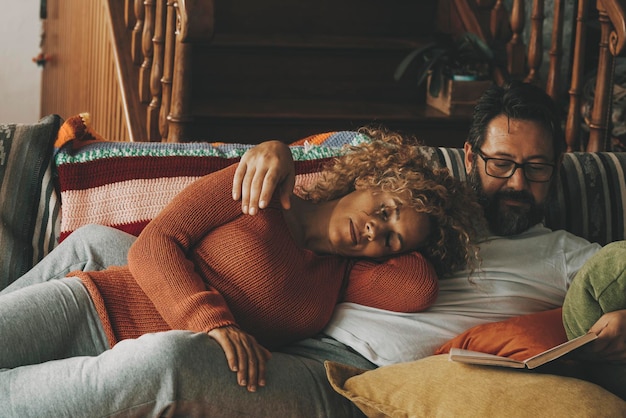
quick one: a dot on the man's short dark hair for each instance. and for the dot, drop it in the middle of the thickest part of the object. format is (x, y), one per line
(517, 100)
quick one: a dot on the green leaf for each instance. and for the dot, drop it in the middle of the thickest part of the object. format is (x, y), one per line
(435, 62)
(406, 61)
(436, 81)
(476, 44)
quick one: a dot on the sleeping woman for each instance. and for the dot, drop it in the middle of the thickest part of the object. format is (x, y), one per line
(254, 283)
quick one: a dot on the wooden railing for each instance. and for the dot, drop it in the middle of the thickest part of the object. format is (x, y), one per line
(611, 15)
(131, 62)
(195, 20)
(524, 61)
(163, 35)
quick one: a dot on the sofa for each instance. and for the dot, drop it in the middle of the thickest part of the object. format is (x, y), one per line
(58, 175)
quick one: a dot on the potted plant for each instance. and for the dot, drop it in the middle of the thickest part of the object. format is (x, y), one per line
(457, 70)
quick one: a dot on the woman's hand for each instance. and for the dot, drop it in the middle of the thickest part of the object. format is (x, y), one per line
(261, 171)
(244, 355)
(611, 342)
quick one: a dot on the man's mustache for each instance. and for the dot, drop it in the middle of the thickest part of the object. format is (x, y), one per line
(519, 196)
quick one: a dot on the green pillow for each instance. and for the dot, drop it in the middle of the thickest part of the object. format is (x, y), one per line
(599, 287)
(29, 204)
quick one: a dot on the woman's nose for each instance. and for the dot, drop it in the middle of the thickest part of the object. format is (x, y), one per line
(373, 229)
(370, 231)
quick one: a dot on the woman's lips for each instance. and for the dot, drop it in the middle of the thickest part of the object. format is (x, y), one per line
(353, 233)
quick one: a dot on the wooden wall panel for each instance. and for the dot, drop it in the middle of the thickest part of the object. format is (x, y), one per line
(82, 73)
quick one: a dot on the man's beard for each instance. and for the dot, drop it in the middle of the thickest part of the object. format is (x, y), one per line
(505, 220)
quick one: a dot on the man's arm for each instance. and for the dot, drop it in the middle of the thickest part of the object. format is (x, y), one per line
(264, 169)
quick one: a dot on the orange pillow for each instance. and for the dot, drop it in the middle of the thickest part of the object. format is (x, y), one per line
(518, 338)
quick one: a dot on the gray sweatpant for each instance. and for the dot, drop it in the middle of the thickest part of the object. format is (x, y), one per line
(55, 361)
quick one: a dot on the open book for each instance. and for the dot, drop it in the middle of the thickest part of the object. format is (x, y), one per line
(475, 357)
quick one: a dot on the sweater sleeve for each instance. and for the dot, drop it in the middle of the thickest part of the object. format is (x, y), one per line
(406, 283)
(158, 259)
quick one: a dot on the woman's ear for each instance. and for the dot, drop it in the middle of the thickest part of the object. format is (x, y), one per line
(470, 157)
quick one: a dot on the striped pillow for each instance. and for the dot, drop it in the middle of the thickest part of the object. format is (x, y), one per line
(124, 185)
(29, 205)
(591, 197)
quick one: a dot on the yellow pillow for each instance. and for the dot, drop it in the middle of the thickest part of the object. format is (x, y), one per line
(437, 387)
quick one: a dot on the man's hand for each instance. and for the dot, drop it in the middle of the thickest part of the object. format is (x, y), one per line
(261, 171)
(611, 342)
(244, 355)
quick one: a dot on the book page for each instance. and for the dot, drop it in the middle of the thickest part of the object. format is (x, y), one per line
(559, 350)
(475, 357)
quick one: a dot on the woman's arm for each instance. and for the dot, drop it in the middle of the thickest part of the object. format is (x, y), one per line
(405, 283)
(159, 259)
(262, 170)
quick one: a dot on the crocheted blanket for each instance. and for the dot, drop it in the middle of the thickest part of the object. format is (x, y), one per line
(124, 184)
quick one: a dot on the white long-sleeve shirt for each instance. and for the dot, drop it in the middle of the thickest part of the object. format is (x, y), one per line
(521, 274)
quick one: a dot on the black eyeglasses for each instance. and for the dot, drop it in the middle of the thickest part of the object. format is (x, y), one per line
(504, 169)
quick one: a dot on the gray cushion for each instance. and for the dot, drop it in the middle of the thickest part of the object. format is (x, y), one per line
(29, 204)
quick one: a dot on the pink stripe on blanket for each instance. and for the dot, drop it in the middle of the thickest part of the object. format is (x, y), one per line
(120, 203)
(79, 176)
(128, 205)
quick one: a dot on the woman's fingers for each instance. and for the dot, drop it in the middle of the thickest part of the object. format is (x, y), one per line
(244, 355)
(261, 171)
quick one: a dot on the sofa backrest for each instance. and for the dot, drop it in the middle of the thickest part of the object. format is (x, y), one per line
(126, 184)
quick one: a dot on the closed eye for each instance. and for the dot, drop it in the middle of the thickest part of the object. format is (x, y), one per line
(383, 212)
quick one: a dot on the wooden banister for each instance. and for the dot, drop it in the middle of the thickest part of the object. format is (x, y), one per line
(173, 27)
(168, 68)
(156, 73)
(515, 46)
(137, 57)
(572, 124)
(195, 23)
(469, 19)
(497, 19)
(525, 65)
(535, 44)
(614, 10)
(556, 51)
(137, 32)
(612, 41)
(197, 20)
(147, 50)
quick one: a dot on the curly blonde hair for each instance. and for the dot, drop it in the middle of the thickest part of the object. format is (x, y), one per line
(392, 164)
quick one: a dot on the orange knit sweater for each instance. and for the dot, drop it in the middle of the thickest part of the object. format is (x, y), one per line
(202, 264)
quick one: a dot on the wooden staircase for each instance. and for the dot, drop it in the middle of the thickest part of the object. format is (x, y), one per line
(248, 71)
(313, 67)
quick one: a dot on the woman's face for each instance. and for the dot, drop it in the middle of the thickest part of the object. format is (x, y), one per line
(372, 223)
